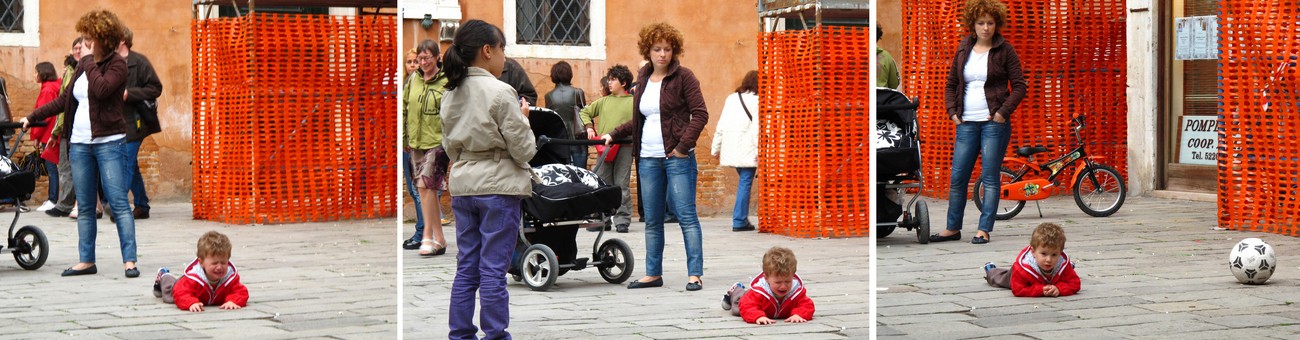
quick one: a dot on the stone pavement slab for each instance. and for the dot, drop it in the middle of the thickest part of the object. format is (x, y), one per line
(1155, 269)
(582, 305)
(329, 280)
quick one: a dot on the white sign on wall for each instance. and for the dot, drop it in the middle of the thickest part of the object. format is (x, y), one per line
(1199, 141)
(1196, 38)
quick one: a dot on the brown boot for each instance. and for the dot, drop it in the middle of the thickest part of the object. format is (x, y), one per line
(140, 213)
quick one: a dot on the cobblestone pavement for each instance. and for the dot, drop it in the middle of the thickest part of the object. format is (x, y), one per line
(581, 305)
(322, 280)
(1156, 269)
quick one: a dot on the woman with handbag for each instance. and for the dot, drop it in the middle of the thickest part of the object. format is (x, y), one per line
(567, 100)
(735, 143)
(49, 81)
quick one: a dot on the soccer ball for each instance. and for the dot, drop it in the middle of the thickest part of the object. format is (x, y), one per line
(1252, 261)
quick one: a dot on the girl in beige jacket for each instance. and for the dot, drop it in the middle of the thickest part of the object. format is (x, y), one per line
(487, 138)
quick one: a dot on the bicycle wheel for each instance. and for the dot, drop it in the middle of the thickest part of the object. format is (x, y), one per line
(1100, 192)
(1006, 208)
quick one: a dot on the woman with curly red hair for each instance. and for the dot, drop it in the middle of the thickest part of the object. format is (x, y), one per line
(669, 115)
(98, 136)
(985, 84)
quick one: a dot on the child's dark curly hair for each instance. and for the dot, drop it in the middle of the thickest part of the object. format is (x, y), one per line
(103, 28)
(656, 32)
(978, 8)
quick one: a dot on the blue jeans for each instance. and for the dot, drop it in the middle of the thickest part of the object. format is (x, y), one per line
(137, 181)
(677, 177)
(52, 169)
(989, 141)
(579, 155)
(102, 165)
(486, 229)
(740, 214)
(408, 174)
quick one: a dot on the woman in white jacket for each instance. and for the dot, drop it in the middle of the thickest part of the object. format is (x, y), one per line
(736, 140)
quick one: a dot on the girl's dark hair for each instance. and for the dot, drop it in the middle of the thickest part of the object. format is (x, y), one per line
(623, 75)
(45, 72)
(750, 83)
(428, 45)
(604, 86)
(469, 39)
(562, 73)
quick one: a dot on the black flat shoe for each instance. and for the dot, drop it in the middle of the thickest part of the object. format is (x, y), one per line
(85, 271)
(622, 228)
(747, 227)
(938, 238)
(132, 272)
(659, 282)
(55, 212)
(411, 244)
(694, 286)
(979, 240)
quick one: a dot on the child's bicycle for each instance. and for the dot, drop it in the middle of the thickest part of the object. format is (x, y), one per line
(28, 244)
(1098, 189)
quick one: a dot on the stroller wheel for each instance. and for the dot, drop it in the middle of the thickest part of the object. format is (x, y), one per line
(31, 248)
(616, 261)
(540, 267)
(922, 216)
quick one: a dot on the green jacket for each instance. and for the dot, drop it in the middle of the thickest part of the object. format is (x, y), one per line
(68, 72)
(613, 111)
(421, 102)
(886, 70)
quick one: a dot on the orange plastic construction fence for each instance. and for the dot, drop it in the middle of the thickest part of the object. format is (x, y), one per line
(294, 118)
(814, 97)
(1259, 172)
(1073, 57)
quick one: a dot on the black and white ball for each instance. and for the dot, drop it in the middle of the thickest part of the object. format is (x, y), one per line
(1252, 261)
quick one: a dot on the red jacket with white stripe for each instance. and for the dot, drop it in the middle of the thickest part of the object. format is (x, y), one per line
(194, 287)
(760, 301)
(1028, 281)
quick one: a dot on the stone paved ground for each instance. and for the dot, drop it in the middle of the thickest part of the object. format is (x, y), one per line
(582, 305)
(1156, 269)
(321, 280)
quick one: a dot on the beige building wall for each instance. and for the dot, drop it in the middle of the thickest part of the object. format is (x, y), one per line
(720, 46)
(162, 32)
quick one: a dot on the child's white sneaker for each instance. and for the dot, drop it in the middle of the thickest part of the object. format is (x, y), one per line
(157, 280)
(46, 206)
(726, 298)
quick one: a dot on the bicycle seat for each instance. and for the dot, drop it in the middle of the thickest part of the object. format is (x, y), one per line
(1026, 151)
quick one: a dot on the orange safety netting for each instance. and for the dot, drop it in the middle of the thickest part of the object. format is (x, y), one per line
(1259, 172)
(294, 117)
(1073, 57)
(814, 94)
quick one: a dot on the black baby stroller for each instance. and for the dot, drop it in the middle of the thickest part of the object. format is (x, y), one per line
(28, 244)
(565, 199)
(898, 166)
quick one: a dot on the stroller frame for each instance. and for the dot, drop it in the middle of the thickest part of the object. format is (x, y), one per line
(539, 266)
(28, 244)
(916, 212)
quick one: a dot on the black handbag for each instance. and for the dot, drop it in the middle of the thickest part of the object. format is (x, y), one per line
(33, 163)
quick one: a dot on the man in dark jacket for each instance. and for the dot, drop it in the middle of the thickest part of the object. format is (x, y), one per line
(141, 114)
(515, 75)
